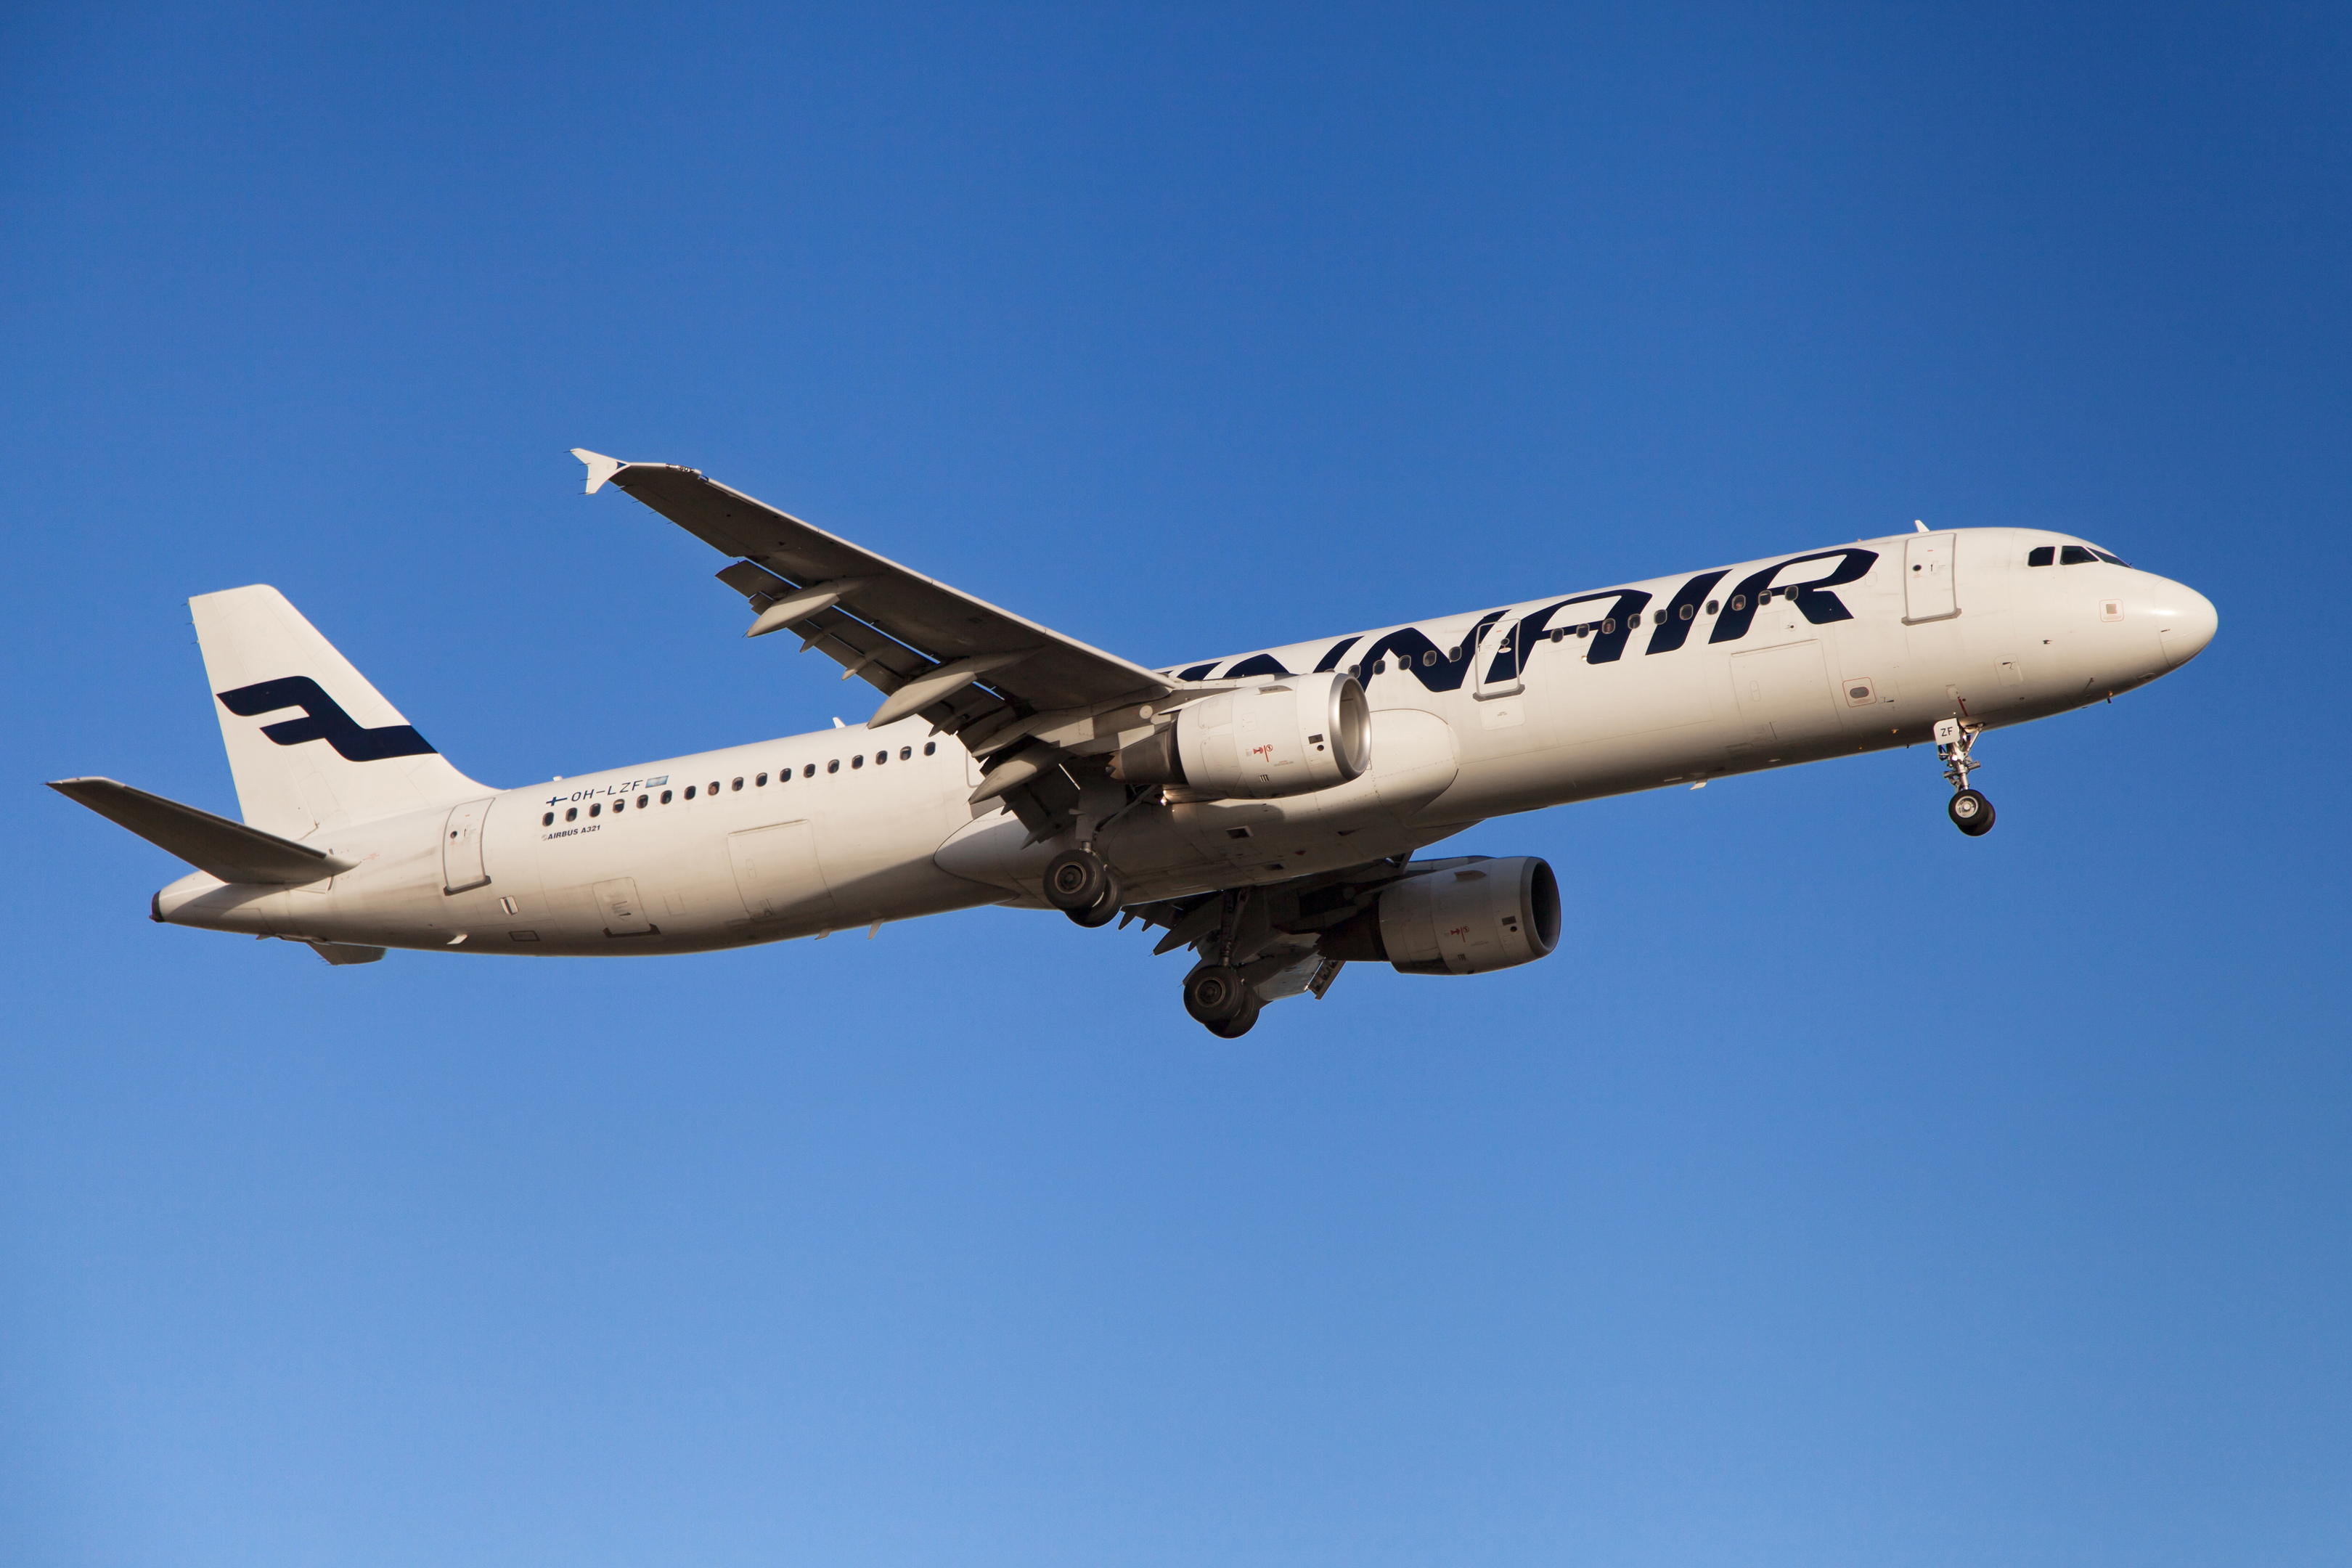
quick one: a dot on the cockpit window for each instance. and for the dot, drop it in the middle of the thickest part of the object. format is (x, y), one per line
(2110, 559)
(2041, 555)
(2075, 555)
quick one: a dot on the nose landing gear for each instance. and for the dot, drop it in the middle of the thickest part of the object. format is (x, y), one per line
(1971, 812)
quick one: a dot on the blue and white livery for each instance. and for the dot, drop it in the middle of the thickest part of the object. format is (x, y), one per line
(1264, 809)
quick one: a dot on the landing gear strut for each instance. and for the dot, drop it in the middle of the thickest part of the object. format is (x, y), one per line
(1971, 812)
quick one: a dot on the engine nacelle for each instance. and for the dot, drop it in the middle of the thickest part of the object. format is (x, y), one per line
(1299, 734)
(1466, 919)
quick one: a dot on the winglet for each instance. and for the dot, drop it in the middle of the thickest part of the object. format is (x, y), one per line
(600, 466)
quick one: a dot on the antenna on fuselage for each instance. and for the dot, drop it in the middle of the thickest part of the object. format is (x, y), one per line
(1918, 524)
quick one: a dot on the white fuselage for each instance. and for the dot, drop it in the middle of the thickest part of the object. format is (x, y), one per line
(844, 828)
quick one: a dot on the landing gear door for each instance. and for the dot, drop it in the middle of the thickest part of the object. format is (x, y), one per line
(1930, 590)
(1496, 663)
(461, 847)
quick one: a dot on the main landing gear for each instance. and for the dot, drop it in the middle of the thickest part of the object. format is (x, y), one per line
(1081, 884)
(1217, 995)
(1225, 1004)
(1971, 812)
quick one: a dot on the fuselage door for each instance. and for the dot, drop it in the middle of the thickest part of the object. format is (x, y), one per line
(461, 847)
(1930, 591)
(1495, 664)
(779, 875)
(623, 912)
(1784, 694)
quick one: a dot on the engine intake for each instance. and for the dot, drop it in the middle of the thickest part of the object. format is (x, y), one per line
(1299, 734)
(1465, 918)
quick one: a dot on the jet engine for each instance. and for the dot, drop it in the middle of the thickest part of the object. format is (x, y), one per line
(1301, 733)
(1465, 918)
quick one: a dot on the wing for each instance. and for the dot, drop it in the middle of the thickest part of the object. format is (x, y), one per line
(971, 668)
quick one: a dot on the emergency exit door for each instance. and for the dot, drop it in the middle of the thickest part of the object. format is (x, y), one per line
(1494, 662)
(779, 875)
(1930, 590)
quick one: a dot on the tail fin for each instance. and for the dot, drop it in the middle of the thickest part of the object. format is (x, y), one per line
(310, 741)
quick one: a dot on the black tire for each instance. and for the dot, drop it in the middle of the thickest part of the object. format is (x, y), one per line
(1215, 993)
(1970, 813)
(1106, 909)
(1241, 1023)
(1074, 880)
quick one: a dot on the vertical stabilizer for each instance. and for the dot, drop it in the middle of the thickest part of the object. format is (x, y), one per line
(310, 741)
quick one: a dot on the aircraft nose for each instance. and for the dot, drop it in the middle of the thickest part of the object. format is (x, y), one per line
(2186, 622)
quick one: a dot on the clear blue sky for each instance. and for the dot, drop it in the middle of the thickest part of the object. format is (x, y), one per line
(1845, 1192)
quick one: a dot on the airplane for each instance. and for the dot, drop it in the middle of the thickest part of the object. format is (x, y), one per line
(1263, 810)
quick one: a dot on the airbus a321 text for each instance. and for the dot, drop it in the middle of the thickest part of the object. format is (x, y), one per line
(1262, 810)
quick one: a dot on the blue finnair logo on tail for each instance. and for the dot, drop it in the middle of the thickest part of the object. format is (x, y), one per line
(323, 720)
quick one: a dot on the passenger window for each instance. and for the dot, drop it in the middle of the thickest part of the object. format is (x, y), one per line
(1689, 610)
(739, 782)
(762, 780)
(833, 766)
(689, 792)
(1429, 659)
(2075, 555)
(572, 813)
(809, 771)
(1608, 626)
(596, 810)
(1657, 618)
(2041, 555)
(1738, 602)
(665, 798)
(929, 746)
(858, 761)
(881, 757)
(548, 821)
(906, 751)
(714, 786)
(643, 801)
(1454, 654)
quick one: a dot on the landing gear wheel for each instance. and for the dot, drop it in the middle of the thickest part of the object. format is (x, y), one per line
(1971, 812)
(1214, 993)
(1074, 880)
(1106, 909)
(1241, 1023)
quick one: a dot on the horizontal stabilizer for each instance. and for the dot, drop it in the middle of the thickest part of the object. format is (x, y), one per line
(229, 850)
